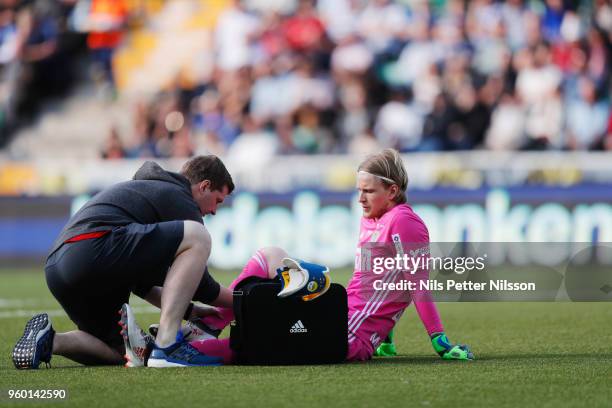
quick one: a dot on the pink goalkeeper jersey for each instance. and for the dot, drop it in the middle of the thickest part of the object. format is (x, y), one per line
(372, 314)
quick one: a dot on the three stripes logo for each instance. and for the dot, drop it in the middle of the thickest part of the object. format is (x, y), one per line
(298, 327)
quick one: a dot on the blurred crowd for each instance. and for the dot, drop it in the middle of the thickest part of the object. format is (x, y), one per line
(338, 76)
(46, 46)
(29, 50)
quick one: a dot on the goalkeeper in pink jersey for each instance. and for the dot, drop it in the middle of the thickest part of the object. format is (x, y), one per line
(388, 228)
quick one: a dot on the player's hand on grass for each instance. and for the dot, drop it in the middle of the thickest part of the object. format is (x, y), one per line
(449, 351)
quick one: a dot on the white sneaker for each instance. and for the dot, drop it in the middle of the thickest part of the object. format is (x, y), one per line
(193, 330)
(137, 343)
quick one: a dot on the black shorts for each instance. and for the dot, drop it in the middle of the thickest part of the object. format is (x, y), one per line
(91, 279)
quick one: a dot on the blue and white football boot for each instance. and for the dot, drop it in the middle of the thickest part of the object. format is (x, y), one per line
(36, 344)
(304, 279)
(180, 354)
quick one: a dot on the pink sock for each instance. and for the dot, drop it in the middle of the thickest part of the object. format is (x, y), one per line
(257, 266)
(215, 348)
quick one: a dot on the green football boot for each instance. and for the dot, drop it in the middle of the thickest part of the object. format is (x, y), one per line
(387, 347)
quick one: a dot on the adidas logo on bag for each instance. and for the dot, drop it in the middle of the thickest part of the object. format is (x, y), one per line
(298, 327)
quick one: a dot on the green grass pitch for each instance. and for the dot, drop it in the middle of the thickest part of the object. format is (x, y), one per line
(528, 354)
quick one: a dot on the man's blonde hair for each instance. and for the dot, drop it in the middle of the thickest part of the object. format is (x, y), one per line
(389, 168)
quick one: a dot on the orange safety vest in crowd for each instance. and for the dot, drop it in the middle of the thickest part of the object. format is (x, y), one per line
(116, 10)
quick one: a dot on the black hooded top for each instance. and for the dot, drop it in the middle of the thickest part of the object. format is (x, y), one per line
(154, 195)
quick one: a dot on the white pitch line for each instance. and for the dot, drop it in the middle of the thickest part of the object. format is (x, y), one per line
(58, 312)
(29, 313)
(12, 303)
(19, 303)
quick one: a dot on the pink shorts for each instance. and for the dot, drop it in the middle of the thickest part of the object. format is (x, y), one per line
(359, 350)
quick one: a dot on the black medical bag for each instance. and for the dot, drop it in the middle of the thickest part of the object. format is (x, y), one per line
(269, 330)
